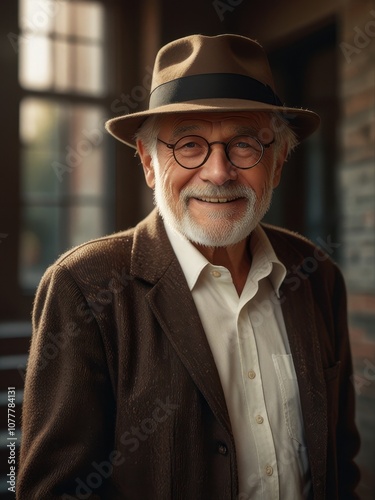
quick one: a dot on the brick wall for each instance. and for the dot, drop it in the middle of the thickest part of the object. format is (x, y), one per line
(356, 181)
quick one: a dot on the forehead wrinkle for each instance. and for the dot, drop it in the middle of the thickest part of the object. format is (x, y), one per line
(243, 125)
(232, 130)
(182, 129)
(245, 130)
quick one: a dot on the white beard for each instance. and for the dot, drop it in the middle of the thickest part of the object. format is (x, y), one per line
(222, 232)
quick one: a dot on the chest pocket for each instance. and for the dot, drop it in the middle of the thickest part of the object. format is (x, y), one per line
(288, 385)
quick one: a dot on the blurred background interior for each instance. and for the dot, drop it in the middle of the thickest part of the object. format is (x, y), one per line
(67, 66)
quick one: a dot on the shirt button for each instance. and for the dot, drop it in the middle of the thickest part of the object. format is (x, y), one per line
(222, 449)
(251, 374)
(216, 274)
(259, 419)
(269, 470)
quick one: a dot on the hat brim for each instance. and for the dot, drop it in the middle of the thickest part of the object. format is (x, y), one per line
(303, 122)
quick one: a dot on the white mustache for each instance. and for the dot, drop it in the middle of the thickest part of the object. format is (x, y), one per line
(218, 192)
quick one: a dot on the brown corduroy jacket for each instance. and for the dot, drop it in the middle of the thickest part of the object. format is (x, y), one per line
(123, 399)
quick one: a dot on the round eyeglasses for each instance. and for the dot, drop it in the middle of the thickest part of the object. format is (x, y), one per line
(243, 151)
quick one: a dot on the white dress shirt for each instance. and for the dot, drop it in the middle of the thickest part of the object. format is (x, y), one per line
(248, 340)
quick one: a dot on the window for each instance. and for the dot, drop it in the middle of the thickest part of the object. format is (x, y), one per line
(66, 185)
(62, 46)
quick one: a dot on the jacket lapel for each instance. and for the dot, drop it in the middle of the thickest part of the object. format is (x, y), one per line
(172, 304)
(300, 321)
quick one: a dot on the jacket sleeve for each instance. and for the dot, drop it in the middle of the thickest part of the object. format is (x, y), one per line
(67, 421)
(347, 436)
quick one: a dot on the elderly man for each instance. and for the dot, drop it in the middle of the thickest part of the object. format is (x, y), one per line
(197, 356)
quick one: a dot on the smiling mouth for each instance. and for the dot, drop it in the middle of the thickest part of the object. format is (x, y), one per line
(217, 200)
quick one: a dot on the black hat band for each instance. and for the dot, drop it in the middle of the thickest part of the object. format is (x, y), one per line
(212, 86)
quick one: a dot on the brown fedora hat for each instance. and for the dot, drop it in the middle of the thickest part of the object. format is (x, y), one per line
(219, 73)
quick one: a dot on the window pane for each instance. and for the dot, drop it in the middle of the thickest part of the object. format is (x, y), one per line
(63, 149)
(86, 222)
(35, 70)
(88, 17)
(39, 181)
(63, 68)
(84, 151)
(38, 15)
(62, 62)
(88, 178)
(78, 67)
(81, 19)
(89, 69)
(39, 122)
(39, 243)
(40, 132)
(64, 18)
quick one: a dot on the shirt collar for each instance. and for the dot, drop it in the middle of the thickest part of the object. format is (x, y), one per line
(264, 259)
(191, 260)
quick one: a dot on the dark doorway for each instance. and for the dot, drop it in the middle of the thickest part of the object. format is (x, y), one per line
(306, 76)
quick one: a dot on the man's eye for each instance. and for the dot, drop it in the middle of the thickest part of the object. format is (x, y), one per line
(242, 144)
(189, 148)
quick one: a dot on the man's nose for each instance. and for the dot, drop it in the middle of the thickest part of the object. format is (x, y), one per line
(218, 169)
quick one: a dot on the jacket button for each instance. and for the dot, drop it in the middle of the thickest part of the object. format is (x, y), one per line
(222, 449)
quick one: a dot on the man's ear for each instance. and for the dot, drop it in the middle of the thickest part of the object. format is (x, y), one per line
(146, 160)
(280, 160)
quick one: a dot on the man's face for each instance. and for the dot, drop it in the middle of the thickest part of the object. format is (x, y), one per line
(216, 204)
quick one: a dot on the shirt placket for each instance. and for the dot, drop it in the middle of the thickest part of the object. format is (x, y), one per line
(257, 417)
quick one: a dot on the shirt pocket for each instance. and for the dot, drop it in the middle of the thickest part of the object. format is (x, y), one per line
(287, 379)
